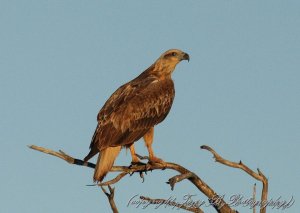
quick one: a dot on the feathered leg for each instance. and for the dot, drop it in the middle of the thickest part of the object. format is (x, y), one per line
(148, 138)
(105, 162)
(135, 159)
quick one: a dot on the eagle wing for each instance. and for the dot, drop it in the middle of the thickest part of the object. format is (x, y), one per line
(132, 110)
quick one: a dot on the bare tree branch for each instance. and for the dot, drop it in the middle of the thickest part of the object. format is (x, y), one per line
(171, 203)
(110, 197)
(63, 156)
(216, 201)
(172, 181)
(115, 180)
(258, 176)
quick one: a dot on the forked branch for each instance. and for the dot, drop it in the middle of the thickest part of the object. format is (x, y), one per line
(184, 174)
(258, 176)
(110, 197)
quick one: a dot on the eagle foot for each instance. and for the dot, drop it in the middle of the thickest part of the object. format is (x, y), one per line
(156, 160)
(136, 163)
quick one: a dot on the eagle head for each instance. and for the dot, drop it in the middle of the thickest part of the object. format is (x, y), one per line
(167, 62)
(174, 56)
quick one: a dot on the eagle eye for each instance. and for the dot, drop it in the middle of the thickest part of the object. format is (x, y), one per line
(174, 53)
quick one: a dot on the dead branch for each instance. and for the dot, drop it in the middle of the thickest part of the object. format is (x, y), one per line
(172, 181)
(110, 197)
(258, 176)
(63, 156)
(216, 201)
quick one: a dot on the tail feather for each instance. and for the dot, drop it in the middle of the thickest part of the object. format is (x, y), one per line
(105, 162)
(91, 154)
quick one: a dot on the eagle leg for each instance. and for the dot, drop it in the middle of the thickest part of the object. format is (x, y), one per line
(148, 138)
(135, 159)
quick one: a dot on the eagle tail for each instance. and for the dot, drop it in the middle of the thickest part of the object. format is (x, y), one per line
(91, 154)
(105, 162)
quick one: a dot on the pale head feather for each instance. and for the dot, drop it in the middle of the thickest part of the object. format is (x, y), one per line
(167, 62)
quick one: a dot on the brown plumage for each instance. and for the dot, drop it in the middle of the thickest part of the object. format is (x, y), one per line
(132, 111)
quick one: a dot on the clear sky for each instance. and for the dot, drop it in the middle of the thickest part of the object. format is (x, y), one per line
(240, 94)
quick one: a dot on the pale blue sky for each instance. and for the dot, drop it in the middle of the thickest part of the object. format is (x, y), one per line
(240, 93)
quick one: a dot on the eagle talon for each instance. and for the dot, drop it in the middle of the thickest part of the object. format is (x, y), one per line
(136, 163)
(148, 167)
(155, 160)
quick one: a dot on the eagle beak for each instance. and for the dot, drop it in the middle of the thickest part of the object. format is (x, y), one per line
(186, 57)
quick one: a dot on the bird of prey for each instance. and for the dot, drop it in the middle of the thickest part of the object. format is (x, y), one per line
(132, 111)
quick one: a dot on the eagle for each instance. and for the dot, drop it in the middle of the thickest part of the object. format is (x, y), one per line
(132, 111)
